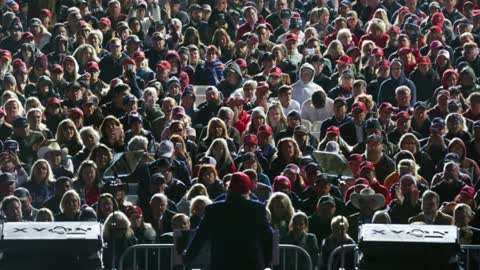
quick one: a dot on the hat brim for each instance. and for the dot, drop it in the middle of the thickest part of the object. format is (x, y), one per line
(167, 154)
(44, 150)
(379, 200)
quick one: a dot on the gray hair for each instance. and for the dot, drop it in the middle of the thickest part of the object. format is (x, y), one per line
(403, 89)
(137, 143)
(90, 130)
(159, 196)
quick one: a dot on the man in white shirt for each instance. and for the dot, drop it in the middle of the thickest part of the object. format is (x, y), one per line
(285, 98)
(317, 108)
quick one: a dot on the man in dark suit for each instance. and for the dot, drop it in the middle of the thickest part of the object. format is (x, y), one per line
(353, 132)
(161, 217)
(237, 229)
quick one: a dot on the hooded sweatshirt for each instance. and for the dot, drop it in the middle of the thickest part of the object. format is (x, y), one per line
(464, 89)
(179, 73)
(301, 90)
(426, 83)
(224, 86)
(388, 87)
(468, 166)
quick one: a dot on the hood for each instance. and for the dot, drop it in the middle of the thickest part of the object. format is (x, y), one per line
(173, 79)
(46, 79)
(232, 66)
(445, 75)
(468, 71)
(402, 75)
(69, 57)
(457, 141)
(306, 66)
(172, 54)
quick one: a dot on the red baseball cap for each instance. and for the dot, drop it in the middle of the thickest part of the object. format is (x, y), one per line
(6, 55)
(367, 165)
(436, 44)
(27, 36)
(53, 101)
(334, 130)
(344, 59)
(292, 37)
(276, 71)
(46, 12)
(385, 106)
(384, 63)
(265, 129)
(468, 191)
(139, 56)
(129, 61)
(377, 51)
(281, 182)
(262, 88)
(57, 68)
(359, 106)
(424, 60)
(403, 114)
(240, 183)
(93, 66)
(134, 211)
(164, 65)
(250, 139)
(76, 111)
(106, 21)
(404, 51)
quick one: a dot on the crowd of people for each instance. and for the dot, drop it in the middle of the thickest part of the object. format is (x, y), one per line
(392, 88)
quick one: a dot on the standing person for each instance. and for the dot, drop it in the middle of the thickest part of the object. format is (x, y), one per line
(237, 229)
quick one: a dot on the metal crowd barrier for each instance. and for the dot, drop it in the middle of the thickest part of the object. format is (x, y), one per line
(342, 250)
(147, 249)
(470, 260)
(472, 256)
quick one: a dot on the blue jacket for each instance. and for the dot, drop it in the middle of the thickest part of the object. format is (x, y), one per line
(387, 88)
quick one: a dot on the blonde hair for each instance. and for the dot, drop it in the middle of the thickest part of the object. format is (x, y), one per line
(70, 193)
(408, 165)
(334, 47)
(376, 26)
(50, 179)
(199, 199)
(282, 200)
(60, 136)
(196, 190)
(113, 219)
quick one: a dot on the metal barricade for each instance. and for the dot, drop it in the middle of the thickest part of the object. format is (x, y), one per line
(283, 249)
(470, 261)
(342, 250)
(472, 257)
(147, 248)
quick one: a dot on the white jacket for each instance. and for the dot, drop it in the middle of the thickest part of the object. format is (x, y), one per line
(301, 90)
(310, 113)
